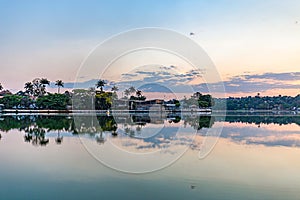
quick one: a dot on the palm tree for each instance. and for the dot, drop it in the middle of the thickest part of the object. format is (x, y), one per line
(127, 92)
(39, 86)
(132, 90)
(44, 82)
(100, 84)
(29, 88)
(59, 83)
(114, 89)
(139, 93)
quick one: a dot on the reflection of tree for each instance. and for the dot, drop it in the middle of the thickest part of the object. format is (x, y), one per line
(36, 136)
(107, 123)
(59, 138)
(129, 130)
(96, 126)
(100, 138)
(86, 125)
(173, 118)
(199, 122)
(267, 119)
(36, 127)
(13, 122)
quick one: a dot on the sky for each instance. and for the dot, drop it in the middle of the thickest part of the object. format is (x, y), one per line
(255, 45)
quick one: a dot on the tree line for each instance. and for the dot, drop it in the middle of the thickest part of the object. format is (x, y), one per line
(36, 96)
(259, 102)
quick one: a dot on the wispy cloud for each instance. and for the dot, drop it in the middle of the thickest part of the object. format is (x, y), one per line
(161, 81)
(262, 82)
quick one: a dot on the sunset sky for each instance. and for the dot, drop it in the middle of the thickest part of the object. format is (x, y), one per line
(254, 44)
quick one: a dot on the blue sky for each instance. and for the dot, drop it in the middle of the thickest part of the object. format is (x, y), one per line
(51, 38)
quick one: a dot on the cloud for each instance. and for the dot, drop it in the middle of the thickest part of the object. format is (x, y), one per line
(256, 83)
(128, 75)
(262, 82)
(71, 85)
(290, 76)
(158, 81)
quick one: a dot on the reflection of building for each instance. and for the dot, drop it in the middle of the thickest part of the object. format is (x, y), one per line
(150, 105)
(145, 118)
(171, 107)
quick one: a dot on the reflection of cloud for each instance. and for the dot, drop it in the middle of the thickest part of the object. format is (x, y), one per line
(248, 134)
(290, 140)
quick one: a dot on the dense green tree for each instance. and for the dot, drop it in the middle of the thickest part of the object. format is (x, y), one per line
(53, 101)
(11, 101)
(103, 101)
(26, 102)
(262, 102)
(200, 100)
(205, 101)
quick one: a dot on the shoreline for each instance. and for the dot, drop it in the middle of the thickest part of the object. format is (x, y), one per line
(205, 111)
(100, 111)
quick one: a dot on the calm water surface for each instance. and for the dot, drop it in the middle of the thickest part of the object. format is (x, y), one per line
(256, 157)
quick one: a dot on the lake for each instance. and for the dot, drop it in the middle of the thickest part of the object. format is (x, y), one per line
(150, 156)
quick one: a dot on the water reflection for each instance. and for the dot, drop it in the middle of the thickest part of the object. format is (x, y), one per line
(39, 129)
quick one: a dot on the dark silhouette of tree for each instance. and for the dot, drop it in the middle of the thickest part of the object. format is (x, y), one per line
(59, 84)
(39, 86)
(29, 88)
(1, 87)
(132, 90)
(127, 92)
(114, 89)
(100, 139)
(44, 81)
(59, 138)
(100, 84)
(138, 93)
